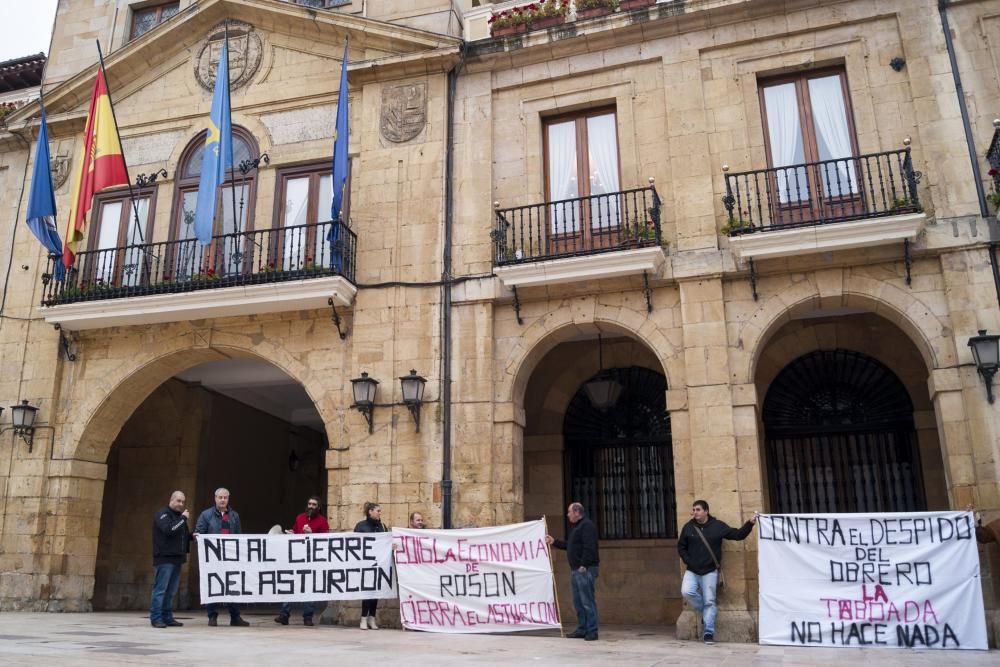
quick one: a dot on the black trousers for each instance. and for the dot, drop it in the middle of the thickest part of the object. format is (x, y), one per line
(368, 607)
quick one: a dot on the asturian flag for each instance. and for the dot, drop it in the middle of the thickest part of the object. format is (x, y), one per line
(101, 164)
(340, 167)
(218, 151)
(42, 200)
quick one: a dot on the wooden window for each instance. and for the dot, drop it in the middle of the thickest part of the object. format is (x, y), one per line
(810, 141)
(117, 255)
(234, 211)
(146, 18)
(302, 210)
(581, 163)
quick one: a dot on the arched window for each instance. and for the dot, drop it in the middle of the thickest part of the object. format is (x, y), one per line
(840, 437)
(619, 461)
(234, 211)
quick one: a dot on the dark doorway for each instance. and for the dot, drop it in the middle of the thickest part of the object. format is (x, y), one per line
(840, 437)
(619, 461)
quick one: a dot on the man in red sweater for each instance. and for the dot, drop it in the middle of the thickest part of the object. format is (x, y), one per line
(310, 521)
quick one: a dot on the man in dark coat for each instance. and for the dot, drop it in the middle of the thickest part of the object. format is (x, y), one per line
(581, 551)
(170, 547)
(701, 579)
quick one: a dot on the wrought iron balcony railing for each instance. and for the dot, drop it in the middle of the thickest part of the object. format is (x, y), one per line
(579, 226)
(817, 193)
(230, 260)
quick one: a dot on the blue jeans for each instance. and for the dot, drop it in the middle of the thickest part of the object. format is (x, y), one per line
(213, 609)
(699, 591)
(308, 609)
(584, 601)
(166, 579)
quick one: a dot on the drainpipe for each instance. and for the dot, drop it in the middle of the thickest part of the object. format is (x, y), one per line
(969, 138)
(446, 279)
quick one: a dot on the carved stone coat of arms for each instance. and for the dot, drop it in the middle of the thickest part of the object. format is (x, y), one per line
(245, 53)
(404, 111)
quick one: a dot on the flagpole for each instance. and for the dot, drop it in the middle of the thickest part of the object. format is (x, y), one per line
(232, 160)
(128, 178)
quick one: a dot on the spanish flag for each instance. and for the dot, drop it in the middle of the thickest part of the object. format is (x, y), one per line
(100, 165)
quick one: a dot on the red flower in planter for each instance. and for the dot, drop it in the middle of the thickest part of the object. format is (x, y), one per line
(993, 172)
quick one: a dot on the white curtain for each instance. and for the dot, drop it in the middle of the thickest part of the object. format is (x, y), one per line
(785, 133)
(135, 258)
(833, 136)
(562, 177)
(603, 153)
(296, 208)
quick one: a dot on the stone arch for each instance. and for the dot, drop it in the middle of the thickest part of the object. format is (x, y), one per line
(112, 400)
(557, 327)
(913, 317)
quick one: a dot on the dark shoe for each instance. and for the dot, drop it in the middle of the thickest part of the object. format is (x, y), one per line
(238, 621)
(281, 618)
(213, 621)
(590, 637)
(174, 624)
(307, 621)
(709, 638)
(159, 624)
(576, 634)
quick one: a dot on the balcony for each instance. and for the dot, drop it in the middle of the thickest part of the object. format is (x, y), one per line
(259, 271)
(823, 206)
(600, 236)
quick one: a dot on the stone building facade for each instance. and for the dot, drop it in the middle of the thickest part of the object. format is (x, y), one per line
(684, 250)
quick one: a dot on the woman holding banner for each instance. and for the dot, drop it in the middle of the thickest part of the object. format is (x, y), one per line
(372, 523)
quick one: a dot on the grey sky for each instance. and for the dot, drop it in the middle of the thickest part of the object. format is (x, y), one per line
(25, 27)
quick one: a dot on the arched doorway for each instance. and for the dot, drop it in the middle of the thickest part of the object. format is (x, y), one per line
(840, 437)
(619, 459)
(241, 423)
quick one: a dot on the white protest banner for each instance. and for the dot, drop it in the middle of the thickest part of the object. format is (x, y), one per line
(295, 568)
(891, 580)
(475, 580)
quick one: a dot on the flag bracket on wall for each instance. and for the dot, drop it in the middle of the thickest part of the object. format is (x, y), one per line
(66, 344)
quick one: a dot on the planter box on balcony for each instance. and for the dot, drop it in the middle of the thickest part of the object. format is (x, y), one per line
(628, 5)
(592, 12)
(547, 22)
(510, 30)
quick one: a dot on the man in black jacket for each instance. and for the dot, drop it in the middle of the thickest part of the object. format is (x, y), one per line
(702, 576)
(581, 551)
(170, 547)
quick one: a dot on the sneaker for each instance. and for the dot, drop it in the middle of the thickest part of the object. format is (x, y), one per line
(372, 625)
(307, 621)
(213, 621)
(159, 624)
(238, 621)
(174, 624)
(709, 638)
(590, 637)
(364, 623)
(281, 618)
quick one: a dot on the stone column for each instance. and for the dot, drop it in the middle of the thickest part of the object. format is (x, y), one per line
(715, 451)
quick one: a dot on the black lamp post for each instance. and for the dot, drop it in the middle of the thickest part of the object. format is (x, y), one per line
(413, 394)
(986, 352)
(364, 397)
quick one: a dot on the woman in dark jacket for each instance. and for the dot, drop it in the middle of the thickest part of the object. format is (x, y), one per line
(372, 523)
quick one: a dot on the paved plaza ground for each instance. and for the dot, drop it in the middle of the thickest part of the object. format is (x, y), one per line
(126, 638)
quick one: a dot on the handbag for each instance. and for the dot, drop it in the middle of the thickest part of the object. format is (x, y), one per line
(718, 568)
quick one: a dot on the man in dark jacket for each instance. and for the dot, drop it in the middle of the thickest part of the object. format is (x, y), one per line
(220, 520)
(170, 547)
(581, 551)
(702, 576)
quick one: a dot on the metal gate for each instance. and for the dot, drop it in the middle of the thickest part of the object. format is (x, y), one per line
(840, 437)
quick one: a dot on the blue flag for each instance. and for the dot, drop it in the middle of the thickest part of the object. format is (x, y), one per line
(341, 164)
(218, 151)
(42, 200)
